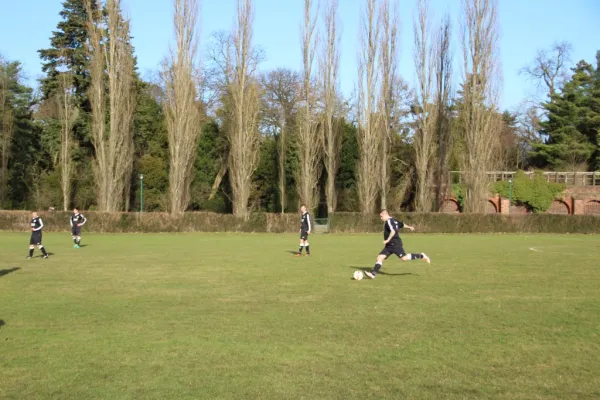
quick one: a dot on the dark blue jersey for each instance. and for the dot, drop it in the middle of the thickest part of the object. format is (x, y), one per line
(305, 222)
(77, 219)
(390, 225)
(37, 224)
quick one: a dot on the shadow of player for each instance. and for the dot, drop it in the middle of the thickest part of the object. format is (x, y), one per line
(364, 269)
(8, 271)
(2, 323)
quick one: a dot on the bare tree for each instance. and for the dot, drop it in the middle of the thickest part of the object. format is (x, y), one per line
(480, 120)
(68, 112)
(388, 64)
(6, 131)
(329, 69)
(182, 108)
(280, 89)
(368, 120)
(425, 110)
(443, 88)
(243, 109)
(310, 141)
(549, 69)
(111, 73)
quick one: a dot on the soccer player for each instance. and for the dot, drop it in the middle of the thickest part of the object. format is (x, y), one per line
(77, 220)
(393, 243)
(305, 228)
(36, 235)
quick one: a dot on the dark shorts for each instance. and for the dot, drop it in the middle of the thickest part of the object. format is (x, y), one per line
(36, 238)
(304, 235)
(76, 231)
(396, 249)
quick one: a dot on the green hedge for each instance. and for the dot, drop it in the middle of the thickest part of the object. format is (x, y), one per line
(154, 222)
(289, 223)
(471, 223)
(536, 194)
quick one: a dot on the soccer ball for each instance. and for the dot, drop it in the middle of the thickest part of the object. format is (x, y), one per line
(358, 275)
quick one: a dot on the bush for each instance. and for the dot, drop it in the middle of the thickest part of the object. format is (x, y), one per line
(470, 223)
(153, 222)
(288, 223)
(458, 190)
(536, 194)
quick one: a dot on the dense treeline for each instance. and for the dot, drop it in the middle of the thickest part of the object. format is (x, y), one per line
(229, 137)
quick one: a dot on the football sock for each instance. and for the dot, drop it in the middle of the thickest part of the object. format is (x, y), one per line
(300, 249)
(416, 256)
(307, 249)
(43, 250)
(376, 268)
(30, 252)
(78, 242)
(75, 240)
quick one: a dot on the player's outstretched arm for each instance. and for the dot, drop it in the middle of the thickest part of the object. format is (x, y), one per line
(410, 228)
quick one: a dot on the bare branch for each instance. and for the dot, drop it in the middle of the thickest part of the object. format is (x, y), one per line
(67, 116)
(369, 137)
(310, 140)
(329, 70)
(480, 119)
(183, 108)
(548, 68)
(425, 109)
(111, 67)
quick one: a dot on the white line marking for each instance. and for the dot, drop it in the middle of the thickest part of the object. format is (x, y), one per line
(534, 249)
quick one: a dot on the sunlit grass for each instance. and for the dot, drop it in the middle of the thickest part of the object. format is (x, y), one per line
(233, 316)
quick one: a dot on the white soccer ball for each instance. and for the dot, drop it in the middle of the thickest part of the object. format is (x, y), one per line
(358, 275)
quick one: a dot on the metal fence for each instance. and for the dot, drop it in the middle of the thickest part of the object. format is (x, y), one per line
(567, 178)
(321, 225)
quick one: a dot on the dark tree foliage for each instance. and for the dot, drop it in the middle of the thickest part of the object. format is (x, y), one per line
(571, 130)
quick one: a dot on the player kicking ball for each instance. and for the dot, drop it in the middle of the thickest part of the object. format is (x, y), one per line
(393, 243)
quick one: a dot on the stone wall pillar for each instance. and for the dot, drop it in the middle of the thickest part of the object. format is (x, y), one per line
(578, 207)
(504, 206)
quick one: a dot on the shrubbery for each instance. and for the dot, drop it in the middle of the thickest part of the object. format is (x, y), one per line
(471, 223)
(289, 223)
(536, 194)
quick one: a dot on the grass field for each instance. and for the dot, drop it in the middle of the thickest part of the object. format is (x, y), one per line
(228, 316)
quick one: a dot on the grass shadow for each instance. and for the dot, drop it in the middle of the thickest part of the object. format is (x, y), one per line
(2, 323)
(291, 252)
(381, 272)
(84, 245)
(8, 271)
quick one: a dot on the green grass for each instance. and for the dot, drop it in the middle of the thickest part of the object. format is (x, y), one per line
(234, 316)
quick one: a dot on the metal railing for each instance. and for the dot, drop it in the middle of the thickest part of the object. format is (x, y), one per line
(321, 225)
(567, 178)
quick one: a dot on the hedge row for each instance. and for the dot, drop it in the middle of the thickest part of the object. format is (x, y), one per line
(99, 222)
(472, 223)
(277, 223)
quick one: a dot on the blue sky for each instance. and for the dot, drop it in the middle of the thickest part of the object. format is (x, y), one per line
(526, 26)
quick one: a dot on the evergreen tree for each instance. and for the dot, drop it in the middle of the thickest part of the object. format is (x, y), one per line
(19, 138)
(212, 147)
(68, 51)
(151, 149)
(572, 126)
